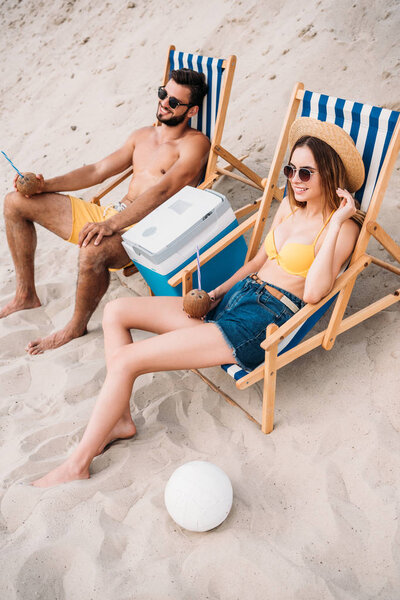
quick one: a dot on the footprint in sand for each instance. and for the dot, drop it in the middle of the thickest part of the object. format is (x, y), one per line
(14, 380)
(51, 440)
(12, 345)
(83, 377)
(45, 570)
(57, 446)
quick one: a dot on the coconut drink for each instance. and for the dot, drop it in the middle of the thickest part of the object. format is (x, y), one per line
(197, 303)
(28, 184)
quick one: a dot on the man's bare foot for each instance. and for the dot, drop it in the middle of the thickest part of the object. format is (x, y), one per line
(123, 430)
(55, 340)
(62, 474)
(17, 304)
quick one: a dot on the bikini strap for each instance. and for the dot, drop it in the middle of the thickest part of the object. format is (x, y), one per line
(287, 216)
(322, 228)
(296, 208)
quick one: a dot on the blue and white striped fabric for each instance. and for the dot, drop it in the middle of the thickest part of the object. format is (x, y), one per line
(371, 128)
(235, 371)
(212, 68)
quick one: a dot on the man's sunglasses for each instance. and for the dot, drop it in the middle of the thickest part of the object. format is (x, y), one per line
(172, 101)
(304, 174)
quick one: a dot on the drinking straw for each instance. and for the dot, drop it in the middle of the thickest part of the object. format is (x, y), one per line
(12, 164)
(198, 269)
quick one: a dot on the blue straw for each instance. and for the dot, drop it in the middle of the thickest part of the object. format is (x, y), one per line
(198, 269)
(12, 164)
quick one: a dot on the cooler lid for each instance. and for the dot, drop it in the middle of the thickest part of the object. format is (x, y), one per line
(173, 220)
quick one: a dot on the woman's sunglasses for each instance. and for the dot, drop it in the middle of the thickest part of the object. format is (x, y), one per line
(304, 174)
(172, 101)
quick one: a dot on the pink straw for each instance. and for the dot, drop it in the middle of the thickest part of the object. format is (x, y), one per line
(198, 269)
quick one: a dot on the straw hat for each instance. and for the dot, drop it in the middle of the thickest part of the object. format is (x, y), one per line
(338, 139)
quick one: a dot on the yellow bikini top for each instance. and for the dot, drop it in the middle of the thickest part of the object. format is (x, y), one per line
(295, 259)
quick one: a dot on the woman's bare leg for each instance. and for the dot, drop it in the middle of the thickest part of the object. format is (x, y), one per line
(158, 314)
(200, 346)
(155, 314)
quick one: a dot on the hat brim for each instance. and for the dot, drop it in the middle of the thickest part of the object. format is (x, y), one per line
(338, 139)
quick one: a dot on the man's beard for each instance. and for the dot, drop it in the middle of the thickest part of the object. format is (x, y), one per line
(173, 121)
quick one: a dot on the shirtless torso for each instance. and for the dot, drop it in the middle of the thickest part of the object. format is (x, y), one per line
(152, 158)
(164, 160)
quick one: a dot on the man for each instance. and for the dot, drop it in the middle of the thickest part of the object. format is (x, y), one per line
(164, 159)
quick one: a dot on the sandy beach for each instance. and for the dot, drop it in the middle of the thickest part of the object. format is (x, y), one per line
(315, 511)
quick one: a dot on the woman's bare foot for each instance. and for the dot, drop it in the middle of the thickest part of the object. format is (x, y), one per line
(73, 469)
(123, 430)
(55, 340)
(20, 303)
(65, 473)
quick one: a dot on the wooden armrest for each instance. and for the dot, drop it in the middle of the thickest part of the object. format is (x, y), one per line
(237, 164)
(207, 183)
(214, 250)
(96, 199)
(245, 210)
(240, 178)
(384, 239)
(310, 309)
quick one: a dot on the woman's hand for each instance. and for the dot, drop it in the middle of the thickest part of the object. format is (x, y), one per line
(216, 297)
(347, 208)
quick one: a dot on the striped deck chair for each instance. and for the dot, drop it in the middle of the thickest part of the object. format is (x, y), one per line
(210, 119)
(376, 133)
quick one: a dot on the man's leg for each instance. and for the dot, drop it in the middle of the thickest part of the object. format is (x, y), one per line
(93, 280)
(53, 211)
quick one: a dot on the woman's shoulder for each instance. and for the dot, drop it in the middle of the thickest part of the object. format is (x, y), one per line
(350, 228)
(284, 209)
(346, 241)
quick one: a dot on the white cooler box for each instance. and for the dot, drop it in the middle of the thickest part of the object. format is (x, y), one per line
(165, 241)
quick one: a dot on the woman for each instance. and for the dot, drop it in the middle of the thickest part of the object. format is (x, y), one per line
(312, 235)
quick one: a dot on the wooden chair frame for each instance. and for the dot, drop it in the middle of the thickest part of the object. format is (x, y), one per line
(343, 286)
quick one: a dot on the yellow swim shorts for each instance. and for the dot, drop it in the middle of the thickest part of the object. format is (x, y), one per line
(85, 212)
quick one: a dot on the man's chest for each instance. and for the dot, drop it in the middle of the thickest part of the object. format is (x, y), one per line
(149, 155)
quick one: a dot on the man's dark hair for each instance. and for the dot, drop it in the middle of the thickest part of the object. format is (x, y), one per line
(195, 81)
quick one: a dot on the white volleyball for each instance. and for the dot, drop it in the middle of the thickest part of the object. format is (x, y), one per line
(198, 496)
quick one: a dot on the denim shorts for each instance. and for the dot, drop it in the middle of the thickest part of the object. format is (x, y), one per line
(243, 315)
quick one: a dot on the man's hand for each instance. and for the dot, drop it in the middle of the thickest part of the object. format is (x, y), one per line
(90, 230)
(40, 185)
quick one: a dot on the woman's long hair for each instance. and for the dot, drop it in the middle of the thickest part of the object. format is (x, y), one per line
(332, 174)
